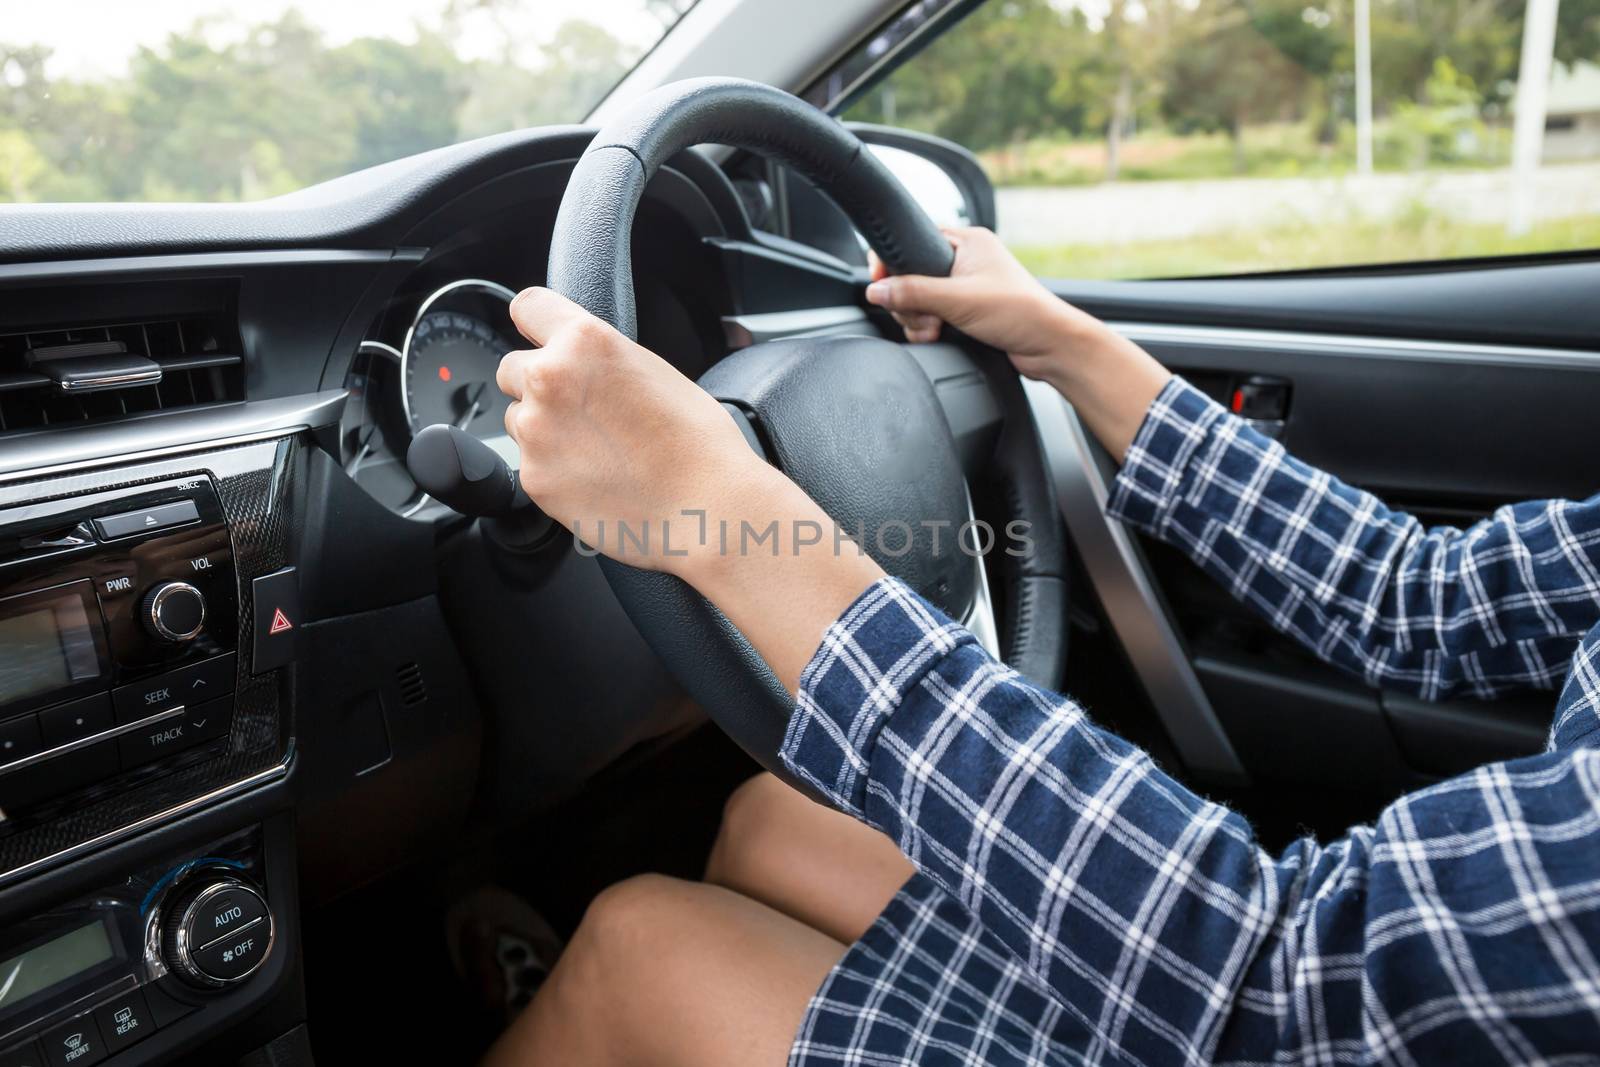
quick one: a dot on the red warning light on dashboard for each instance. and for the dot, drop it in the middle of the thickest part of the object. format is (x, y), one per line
(280, 622)
(444, 373)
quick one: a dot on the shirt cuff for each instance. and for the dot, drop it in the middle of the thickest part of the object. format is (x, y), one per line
(1156, 467)
(869, 659)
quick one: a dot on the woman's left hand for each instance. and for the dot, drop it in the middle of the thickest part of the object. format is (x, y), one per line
(611, 433)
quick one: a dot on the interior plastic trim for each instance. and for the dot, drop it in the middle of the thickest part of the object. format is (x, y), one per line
(742, 331)
(1120, 579)
(1323, 344)
(191, 262)
(93, 844)
(980, 619)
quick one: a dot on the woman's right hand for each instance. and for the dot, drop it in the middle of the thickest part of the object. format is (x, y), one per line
(992, 298)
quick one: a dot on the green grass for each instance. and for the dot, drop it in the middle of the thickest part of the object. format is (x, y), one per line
(1278, 150)
(1417, 236)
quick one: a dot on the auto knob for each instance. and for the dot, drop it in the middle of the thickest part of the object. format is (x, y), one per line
(217, 931)
(173, 611)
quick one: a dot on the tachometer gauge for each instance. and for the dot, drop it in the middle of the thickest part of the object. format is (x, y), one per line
(450, 356)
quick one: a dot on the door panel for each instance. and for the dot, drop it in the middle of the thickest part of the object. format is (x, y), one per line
(1413, 419)
(1550, 303)
(1445, 394)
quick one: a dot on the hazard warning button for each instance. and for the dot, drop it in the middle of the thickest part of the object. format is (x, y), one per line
(277, 619)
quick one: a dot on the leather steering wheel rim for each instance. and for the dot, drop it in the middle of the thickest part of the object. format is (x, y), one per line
(590, 263)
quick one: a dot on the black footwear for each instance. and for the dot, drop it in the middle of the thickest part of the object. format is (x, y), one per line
(501, 947)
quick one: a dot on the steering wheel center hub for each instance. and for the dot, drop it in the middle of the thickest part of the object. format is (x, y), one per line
(855, 422)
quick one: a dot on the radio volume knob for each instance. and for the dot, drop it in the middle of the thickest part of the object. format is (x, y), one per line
(173, 611)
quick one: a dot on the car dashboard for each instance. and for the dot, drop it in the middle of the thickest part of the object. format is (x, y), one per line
(248, 665)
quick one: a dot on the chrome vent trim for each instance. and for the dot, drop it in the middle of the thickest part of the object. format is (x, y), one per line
(33, 455)
(89, 373)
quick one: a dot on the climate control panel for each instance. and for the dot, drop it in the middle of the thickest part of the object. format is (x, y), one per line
(217, 932)
(135, 957)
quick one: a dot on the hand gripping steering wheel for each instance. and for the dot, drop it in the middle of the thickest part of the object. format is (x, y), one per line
(855, 421)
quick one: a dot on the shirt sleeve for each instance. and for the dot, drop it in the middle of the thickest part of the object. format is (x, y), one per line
(1460, 927)
(1495, 606)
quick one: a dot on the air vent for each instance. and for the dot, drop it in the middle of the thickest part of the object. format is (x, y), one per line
(413, 689)
(86, 374)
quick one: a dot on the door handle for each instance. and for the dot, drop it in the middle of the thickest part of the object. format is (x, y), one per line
(1261, 401)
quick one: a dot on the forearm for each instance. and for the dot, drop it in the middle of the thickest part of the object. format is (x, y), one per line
(1365, 587)
(1151, 911)
(784, 590)
(1065, 842)
(1109, 380)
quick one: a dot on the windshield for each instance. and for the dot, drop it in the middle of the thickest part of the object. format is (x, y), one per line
(209, 100)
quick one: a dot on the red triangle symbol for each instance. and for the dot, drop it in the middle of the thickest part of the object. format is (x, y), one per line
(280, 622)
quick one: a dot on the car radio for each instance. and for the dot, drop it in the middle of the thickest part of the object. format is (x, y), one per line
(119, 622)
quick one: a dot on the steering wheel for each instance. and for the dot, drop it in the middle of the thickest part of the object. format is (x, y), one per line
(854, 421)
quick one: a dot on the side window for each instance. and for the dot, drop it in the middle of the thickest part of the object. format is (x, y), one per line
(1169, 138)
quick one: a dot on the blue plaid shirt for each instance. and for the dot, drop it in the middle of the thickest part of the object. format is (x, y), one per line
(1074, 904)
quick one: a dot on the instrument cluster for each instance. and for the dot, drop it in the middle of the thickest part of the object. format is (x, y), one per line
(439, 367)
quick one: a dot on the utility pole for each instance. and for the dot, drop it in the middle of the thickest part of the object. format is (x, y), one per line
(1533, 85)
(1364, 86)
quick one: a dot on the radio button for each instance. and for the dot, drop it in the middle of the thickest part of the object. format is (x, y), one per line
(187, 685)
(19, 738)
(70, 722)
(197, 725)
(117, 585)
(57, 776)
(75, 1043)
(148, 520)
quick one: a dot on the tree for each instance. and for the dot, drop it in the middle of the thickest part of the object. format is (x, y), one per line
(211, 113)
(1224, 73)
(579, 66)
(997, 79)
(401, 98)
(21, 166)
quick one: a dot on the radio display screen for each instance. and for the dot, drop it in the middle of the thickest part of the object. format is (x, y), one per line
(46, 643)
(53, 962)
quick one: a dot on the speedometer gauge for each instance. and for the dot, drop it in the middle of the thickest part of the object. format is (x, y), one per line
(451, 354)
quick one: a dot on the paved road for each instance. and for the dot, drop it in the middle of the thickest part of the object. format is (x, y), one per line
(1143, 211)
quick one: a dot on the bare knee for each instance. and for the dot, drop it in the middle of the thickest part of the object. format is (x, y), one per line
(617, 959)
(750, 839)
(625, 927)
(612, 955)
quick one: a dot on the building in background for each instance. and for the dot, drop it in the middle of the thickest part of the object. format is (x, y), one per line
(1572, 113)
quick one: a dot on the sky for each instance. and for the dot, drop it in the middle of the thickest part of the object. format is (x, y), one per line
(97, 37)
